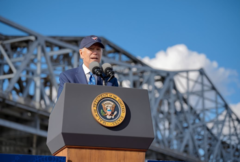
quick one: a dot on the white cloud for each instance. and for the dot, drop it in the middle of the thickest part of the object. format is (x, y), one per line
(179, 57)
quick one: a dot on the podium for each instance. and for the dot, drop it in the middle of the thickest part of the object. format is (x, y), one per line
(75, 131)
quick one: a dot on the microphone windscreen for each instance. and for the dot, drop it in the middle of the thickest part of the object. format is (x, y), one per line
(105, 66)
(93, 65)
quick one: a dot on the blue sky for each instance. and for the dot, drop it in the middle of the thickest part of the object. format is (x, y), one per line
(142, 28)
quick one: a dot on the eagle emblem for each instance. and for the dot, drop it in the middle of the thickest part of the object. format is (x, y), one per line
(108, 109)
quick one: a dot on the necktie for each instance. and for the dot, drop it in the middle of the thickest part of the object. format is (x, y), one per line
(91, 80)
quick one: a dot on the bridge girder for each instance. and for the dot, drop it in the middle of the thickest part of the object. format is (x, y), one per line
(191, 119)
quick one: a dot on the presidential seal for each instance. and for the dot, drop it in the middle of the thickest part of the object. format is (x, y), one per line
(108, 109)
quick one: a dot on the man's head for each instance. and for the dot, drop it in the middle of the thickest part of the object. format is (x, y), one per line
(91, 48)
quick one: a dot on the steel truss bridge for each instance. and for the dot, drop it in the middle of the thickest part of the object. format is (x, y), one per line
(192, 121)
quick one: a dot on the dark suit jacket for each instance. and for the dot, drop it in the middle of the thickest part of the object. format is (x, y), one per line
(77, 75)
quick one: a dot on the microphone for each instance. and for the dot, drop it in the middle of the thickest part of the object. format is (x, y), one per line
(95, 69)
(107, 69)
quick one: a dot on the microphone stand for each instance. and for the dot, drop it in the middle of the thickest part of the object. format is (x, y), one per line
(99, 72)
(104, 81)
(112, 76)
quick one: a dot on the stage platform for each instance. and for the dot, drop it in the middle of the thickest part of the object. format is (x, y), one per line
(30, 158)
(37, 158)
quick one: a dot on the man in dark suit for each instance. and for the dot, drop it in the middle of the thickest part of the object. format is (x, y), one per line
(91, 49)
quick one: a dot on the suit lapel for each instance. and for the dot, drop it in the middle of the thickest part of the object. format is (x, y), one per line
(80, 75)
(99, 81)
